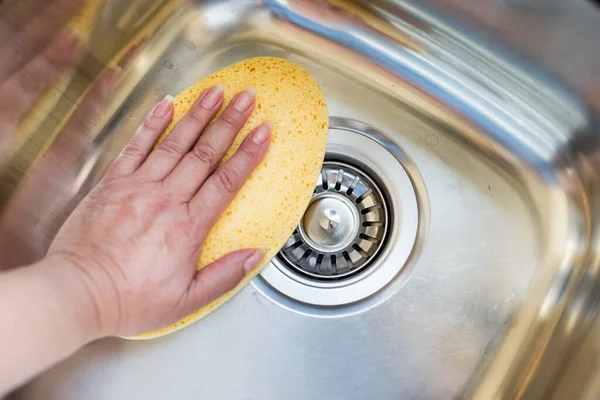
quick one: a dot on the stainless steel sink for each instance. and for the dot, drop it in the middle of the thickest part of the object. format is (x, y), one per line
(485, 281)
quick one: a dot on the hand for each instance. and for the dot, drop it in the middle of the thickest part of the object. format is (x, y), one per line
(25, 235)
(30, 58)
(135, 241)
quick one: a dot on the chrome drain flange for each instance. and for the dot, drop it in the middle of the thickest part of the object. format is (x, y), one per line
(343, 228)
(358, 231)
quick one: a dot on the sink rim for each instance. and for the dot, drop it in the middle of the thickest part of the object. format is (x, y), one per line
(566, 176)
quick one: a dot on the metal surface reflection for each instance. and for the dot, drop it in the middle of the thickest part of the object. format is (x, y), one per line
(501, 288)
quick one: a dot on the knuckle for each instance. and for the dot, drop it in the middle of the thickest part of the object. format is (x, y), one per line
(17, 49)
(97, 97)
(85, 125)
(134, 150)
(249, 151)
(27, 81)
(196, 117)
(49, 63)
(205, 153)
(172, 147)
(229, 121)
(228, 180)
(148, 126)
(86, 118)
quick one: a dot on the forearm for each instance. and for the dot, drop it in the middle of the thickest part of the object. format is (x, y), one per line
(46, 314)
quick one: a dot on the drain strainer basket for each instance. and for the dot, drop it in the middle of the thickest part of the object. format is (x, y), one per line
(343, 228)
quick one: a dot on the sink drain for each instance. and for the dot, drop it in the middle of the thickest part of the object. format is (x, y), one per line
(359, 229)
(343, 228)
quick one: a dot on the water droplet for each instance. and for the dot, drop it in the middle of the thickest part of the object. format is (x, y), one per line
(432, 140)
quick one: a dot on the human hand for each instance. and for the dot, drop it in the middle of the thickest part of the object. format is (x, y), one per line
(25, 235)
(31, 56)
(135, 241)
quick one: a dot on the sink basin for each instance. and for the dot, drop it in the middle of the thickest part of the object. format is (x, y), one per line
(484, 282)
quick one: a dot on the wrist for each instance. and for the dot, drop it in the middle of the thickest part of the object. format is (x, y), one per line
(81, 304)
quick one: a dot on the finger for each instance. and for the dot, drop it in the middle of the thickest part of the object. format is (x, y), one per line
(220, 277)
(212, 146)
(220, 189)
(25, 86)
(170, 152)
(131, 55)
(144, 139)
(15, 14)
(82, 128)
(19, 47)
(82, 123)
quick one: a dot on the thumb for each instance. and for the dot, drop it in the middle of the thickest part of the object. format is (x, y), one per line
(221, 276)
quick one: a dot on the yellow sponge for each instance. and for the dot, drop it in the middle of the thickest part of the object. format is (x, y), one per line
(270, 205)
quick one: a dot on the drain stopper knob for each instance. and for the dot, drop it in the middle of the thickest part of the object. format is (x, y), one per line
(330, 220)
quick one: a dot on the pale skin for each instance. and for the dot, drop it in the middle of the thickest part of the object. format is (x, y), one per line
(125, 261)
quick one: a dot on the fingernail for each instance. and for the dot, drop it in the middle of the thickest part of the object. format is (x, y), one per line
(118, 70)
(254, 260)
(212, 96)
(163, 108)
(262, 134)
(245, 99)
(68, 40)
